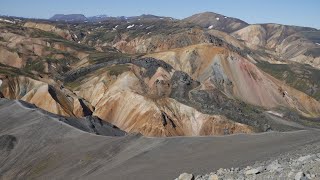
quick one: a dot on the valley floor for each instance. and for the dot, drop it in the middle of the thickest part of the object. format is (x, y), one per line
(35, 145)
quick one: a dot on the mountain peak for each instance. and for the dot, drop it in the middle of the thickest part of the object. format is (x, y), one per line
(217, 21)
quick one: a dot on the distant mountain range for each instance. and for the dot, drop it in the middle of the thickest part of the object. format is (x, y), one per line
(68, 17)
(98, 18)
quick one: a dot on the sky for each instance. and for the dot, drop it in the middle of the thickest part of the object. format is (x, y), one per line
(290, 12)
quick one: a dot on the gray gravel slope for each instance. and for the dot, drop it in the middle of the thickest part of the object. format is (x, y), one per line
(35, 145)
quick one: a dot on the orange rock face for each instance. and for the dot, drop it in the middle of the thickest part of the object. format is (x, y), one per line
(44, 96)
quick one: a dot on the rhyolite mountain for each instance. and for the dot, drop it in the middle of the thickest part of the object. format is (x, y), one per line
(204, 75)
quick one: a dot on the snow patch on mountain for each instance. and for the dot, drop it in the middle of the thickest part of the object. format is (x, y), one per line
(130, 26)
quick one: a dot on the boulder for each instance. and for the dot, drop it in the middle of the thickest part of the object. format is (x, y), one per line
(213, 177)
(186, 176)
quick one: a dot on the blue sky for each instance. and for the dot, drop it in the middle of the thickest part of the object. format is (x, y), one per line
(292, 12)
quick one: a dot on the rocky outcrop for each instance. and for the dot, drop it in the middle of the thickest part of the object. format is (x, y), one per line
(298, 168)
